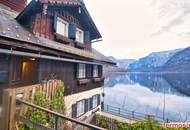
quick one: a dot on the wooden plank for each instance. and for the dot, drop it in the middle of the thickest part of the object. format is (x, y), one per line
(40, 88)
(50, 92)
(53, 90)
(47, 91)
(23, 108)
(5, 110)
(12, 110)
(9, 102)
(33, 94)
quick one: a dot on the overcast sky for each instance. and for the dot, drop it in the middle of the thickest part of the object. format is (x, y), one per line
(135, 28)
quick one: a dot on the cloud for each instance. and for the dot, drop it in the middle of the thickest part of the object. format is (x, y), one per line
(135, 28)
(173, 14)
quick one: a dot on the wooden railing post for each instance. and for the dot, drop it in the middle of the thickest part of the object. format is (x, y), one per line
(8, 121)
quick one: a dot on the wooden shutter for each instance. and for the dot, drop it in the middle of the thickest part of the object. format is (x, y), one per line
(99, 71)
(91, 103)
(74, 111)
(89, 71)
(98, 99)
(86, 37)
(72, 31)
(76, 70)
(86, 109)
(55, 23)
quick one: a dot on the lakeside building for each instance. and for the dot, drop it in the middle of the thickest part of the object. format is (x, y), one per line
(52, 39)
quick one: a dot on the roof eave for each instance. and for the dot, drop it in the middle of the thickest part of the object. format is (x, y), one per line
(32, 4)
(99, 36)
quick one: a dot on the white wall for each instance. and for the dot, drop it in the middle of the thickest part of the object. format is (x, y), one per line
(72, 99)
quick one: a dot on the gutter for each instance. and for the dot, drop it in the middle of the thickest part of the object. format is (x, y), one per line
(19, 53)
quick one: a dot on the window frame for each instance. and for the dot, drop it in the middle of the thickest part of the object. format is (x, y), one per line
(94, 102)
(81, 39)
(66, 31)
(81, 71)
(80, 112)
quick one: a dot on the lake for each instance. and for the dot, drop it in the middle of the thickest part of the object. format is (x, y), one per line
(163, 95)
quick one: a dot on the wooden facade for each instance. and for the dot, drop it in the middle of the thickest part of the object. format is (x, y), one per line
(32, 52)
(17, 5)
(17, 71)
(43, 21)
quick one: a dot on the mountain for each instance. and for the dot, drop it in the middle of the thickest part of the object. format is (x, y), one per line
(153, 61)
(180, 62)
(122, 64)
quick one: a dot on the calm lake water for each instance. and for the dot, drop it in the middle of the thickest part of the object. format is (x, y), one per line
(150, 93)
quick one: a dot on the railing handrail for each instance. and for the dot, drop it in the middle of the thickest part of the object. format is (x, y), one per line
(60, 115)
(121, 110)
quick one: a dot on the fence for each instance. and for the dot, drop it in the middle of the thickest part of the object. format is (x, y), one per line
(132, 115)
(17, 101)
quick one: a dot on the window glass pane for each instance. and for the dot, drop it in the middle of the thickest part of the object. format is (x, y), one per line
(95, 101)
(80, 108)
(62, 27)
(79, 35)
(95, 71)
(82, 70)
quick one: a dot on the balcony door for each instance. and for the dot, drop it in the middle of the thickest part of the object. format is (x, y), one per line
(29, 71)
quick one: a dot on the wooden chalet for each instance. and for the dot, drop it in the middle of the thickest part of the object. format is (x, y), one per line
(50, 39)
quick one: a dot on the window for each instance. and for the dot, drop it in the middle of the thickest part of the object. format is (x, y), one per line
(62, 27)
(95, 101)
(79, 35)
(80, 108)
(95, 71)
(89, 71)
(82, 71)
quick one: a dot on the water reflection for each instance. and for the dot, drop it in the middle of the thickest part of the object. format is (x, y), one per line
(147, 92)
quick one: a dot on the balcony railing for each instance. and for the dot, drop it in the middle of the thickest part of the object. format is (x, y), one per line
(129, 114)
(71, 122)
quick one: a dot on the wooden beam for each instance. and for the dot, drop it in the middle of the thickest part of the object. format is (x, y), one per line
(4, 124)
(12, 110)
(39, 49)
(8, 110)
